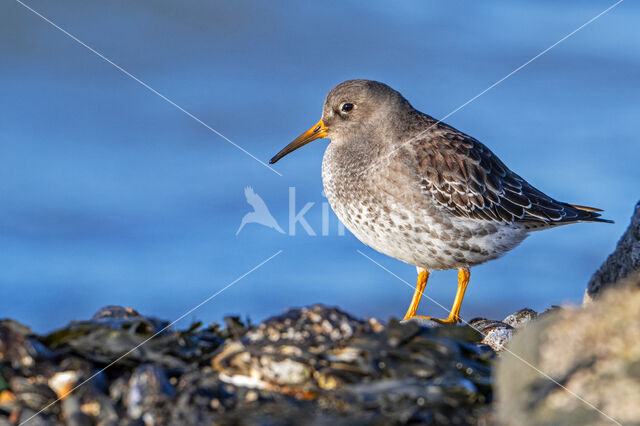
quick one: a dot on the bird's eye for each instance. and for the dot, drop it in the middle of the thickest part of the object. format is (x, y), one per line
(346, 107)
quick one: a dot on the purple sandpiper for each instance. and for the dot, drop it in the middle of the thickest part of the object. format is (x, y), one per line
(420, 191)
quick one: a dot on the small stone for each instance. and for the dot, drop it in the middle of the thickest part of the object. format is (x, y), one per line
(7, 396)
(63, 382)
(73, 414)
(498, 337)
(521, 318)
(148, 384)
(115, 311)
(375, 325)
(496, 334)
(422, 322)
(91, 408)
(31, 393)
(18, 347)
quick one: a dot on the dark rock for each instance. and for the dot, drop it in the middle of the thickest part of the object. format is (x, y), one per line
(32, 393)
(103, 410)
(33, 418)
(72, 413)
(111, 335)
(148, 389)
(115, 311)
(621, 263)
(19, 347)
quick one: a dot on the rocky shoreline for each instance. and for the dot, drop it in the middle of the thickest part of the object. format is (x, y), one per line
(321, 366)
(315, 365)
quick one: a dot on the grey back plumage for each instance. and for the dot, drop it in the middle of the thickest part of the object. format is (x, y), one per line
(464, 176)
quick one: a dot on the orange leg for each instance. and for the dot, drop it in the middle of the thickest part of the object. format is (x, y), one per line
(423, 276)
(454, 315)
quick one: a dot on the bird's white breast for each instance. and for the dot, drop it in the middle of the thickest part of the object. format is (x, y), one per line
(386, 210)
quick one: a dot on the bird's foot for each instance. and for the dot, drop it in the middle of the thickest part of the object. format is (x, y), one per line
(448, 320)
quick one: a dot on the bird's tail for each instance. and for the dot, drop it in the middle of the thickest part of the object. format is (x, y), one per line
(587, 214)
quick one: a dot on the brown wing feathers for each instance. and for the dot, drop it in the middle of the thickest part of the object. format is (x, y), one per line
(463, 175)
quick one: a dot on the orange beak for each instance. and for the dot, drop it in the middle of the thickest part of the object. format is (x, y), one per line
(316, 132)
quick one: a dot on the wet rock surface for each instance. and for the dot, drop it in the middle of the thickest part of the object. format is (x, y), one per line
(315, 365)
(591, 353)
(623, 262)
(578, 366)
(364, 370)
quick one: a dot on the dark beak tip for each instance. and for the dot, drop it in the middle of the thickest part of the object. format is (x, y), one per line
(275, 158)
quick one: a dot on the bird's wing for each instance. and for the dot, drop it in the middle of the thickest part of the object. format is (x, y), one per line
(254, 199)
(464, 176)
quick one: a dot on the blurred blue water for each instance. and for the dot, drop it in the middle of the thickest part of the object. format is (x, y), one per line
(109, 195)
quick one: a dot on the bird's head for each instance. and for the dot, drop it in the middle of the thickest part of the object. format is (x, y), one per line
(351, 111)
